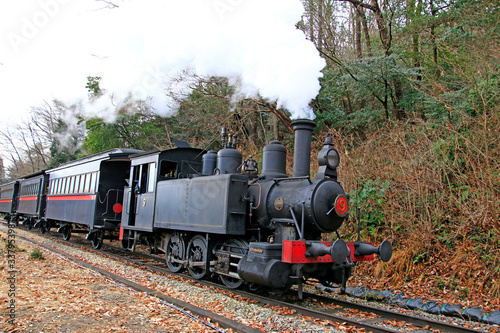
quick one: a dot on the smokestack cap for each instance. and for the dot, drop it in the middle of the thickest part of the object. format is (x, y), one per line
(303, 124)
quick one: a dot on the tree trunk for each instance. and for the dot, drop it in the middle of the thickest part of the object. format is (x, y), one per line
(357, 33)
(311, 20)
(321, 31)
(433, 39)
(366, 33)
(384, 32)
(276, 127)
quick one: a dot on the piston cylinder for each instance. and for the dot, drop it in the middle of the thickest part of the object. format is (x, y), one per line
(262, 265)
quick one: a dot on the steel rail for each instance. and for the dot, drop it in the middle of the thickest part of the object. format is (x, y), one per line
(383, 313)
(198, 311)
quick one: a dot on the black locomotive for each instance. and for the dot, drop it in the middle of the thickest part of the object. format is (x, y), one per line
(212, 212)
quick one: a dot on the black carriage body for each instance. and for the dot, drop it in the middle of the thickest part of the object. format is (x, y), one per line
(210, 204)
(8, 197)
(149, 169)
(33, 194)
(89, 191)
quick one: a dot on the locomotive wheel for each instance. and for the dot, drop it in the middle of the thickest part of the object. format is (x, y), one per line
(174, 253)
(197, 257)
(98, 239)
(129, 240)
(67, 232)
(234, 246)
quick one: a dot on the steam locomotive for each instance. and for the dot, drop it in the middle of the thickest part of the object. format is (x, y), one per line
(211, 213)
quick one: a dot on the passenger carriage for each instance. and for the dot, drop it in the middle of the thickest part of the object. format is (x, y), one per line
(86, 195)
(32, 198)
(8, 200)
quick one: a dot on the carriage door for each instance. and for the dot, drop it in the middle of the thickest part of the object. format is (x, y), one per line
(144, 191)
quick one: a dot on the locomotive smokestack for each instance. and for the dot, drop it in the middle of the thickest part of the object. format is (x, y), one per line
(302, 152)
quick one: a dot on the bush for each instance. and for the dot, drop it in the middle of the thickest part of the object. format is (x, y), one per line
(37, 254)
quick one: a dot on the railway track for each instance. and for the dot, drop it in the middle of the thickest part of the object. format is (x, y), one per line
(314, 306)
(188, 309)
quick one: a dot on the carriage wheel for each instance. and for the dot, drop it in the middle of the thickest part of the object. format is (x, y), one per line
(98, 239)
(43, 227)
(66, 232)
(174, 253)
(197, 257)
(129, 240)
(239, 247)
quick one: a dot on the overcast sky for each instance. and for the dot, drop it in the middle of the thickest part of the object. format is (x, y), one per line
(49, 47)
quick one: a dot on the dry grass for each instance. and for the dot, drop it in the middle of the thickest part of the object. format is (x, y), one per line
(442, 206)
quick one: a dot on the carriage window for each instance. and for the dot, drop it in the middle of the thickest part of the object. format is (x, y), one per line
(71, 184)
(87, 183)
(82, 184)
(144, 179)
(152, 172)
(90, 180)
(93, 182)
(77, 184)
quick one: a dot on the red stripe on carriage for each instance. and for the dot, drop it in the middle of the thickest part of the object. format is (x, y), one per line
(34, 197)
(6, 200)
(72, 197)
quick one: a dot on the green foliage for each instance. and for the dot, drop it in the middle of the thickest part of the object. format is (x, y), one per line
(363, 93)
(93, 86)
(144, 131)
(66, 144)
(16, 248)
(371, 199)
(37, 254)
(420, 257)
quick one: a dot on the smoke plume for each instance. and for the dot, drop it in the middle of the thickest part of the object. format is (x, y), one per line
(138, 46)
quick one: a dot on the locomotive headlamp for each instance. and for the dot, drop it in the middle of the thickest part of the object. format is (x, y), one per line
(328, 160)
(329, 156)
(332, 158)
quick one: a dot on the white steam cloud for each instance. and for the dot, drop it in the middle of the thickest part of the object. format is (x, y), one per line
(137, 47)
